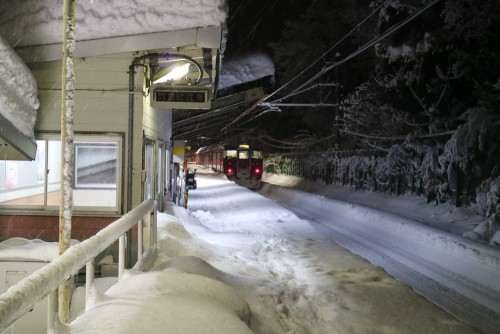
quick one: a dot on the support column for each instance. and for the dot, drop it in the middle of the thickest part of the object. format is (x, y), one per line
(67, 148)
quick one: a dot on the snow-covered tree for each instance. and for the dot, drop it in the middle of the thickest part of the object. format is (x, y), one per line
(427, 99)
(305, 49)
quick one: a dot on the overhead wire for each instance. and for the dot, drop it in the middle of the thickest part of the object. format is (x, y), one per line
(356, 28)
(334, 65)
(366, 46)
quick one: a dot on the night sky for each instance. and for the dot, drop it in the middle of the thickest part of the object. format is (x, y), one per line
(253, 24)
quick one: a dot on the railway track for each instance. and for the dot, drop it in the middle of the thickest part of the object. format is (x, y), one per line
(459, 275)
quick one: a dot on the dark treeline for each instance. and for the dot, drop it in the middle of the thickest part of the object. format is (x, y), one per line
(425, 98)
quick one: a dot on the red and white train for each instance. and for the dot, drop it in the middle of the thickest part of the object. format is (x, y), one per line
(242, 163)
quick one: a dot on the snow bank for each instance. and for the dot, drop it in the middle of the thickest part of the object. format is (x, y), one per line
(18, 90)
(39, 22)
(181, 294)
(166, 301)
(394, 227)
(488, 204)
(20, 249)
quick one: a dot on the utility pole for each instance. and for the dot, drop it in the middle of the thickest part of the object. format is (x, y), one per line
(67, 148)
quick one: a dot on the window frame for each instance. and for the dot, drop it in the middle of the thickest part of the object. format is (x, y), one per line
(78, 137)
(86, 144)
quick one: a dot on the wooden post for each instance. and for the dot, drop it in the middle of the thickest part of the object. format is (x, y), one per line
(67, 149)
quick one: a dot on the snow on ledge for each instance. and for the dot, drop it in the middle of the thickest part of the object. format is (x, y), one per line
(18, 91)
(36, 250)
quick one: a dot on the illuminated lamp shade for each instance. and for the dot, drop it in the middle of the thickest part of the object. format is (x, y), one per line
(171, 73)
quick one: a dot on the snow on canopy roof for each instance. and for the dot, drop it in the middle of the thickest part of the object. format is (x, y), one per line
(18, 91)
(39, 22)
(245, 68)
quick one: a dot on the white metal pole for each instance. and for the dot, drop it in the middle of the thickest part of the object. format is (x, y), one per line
(67, 149)
(121, 256)
(140, 244)
(89, 282)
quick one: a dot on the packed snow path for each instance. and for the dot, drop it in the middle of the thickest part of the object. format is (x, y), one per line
(295, 279)
(238, 256)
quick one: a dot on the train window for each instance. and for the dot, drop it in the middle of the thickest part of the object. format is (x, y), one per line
(36, 184)
(243, 155)
(256, 154)
(230, 153)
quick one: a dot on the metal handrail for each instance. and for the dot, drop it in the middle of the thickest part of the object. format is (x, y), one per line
(21, 297)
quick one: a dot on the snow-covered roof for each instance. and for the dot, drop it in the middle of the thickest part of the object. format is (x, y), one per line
(39, 22)
(18, 106)
(18, 90)
(245, 68)
(34, 29)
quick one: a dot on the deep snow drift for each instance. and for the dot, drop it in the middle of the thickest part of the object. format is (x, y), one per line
(234, 248)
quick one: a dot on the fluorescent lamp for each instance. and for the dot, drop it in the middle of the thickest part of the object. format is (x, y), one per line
(170, 74)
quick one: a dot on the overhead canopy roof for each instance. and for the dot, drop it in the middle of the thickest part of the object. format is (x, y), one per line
(212, 126)
(34, 29)
(18, 105)
(14, 145)
(201, 37)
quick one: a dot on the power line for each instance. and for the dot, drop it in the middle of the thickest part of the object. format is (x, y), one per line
(360, 50)
(356, 28)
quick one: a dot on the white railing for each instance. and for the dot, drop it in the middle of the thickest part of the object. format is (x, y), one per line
(20, 298)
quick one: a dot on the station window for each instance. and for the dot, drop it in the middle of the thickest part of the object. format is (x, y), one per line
(149, 159)
(36, 184)
(95, 165)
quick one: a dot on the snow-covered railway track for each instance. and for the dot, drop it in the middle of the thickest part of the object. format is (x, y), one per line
(459, 275)
(435, 283)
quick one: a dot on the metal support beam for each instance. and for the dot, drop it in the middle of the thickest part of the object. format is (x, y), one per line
(14, 145)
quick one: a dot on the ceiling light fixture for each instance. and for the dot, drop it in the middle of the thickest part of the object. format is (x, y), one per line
(172, 67)
(171, 73)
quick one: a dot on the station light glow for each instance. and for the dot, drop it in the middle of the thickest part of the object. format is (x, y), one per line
(168, 74)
